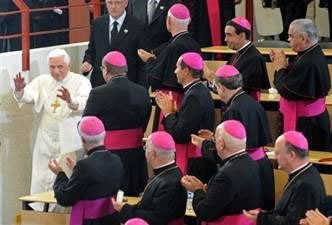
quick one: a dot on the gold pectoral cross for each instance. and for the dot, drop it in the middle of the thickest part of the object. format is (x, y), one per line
(55, 105)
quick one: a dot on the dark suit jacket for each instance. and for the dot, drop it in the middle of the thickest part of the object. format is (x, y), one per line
(157, 30)
(130, 38)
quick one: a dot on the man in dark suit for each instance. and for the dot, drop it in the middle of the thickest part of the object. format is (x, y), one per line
(117, 31)
(153, 13)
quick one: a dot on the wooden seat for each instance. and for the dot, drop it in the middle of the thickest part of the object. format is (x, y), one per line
(327, 179)
(214, 64)
(272, 44)
(280, 180)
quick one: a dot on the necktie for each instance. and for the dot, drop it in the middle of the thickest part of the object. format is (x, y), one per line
(152, 5)
(114, 31)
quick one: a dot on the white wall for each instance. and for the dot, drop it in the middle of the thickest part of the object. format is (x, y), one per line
(18, 127)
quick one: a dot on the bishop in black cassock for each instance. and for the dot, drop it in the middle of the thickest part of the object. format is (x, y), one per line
(164, 199)
(124, 107)
(247, 59)
(160, 65)
(235, 187)
(303, 85)
(195, 112)
(94, 181)
(242, 107)
(304, 189)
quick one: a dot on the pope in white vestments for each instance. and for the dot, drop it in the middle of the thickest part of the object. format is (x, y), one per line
(58, 97)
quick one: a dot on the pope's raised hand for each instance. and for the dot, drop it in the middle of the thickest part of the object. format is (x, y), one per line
(64, 94)
(19, 82)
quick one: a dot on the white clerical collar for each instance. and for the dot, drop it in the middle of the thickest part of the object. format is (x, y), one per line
(169, 163)
(240, 151)
(189, 83)
(120, 20)
(299, 168)
(157, 1)
(244, 46)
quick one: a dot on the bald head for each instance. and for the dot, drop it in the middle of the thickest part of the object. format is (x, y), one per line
(230, 138)
(160, 148)
(290, 151)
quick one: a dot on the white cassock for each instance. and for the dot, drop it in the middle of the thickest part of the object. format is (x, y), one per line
(55, 114)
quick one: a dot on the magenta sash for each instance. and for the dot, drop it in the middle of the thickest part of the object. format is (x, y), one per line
(124, 139)
(239, 219)
(256, 153)
(90, 209)
(176, 222)
(183, 153)
(177, 97)
(292, 110)
(214, 20)
(256, 95)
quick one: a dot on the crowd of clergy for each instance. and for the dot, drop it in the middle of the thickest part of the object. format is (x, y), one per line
(225, 167)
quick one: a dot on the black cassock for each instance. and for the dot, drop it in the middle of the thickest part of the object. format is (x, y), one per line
(96, 177)
(235, 187)
(121, 105)
(304, 191)
(308, 78)
(164, 198)
(251, 114)
(160, 71)
(196, 112)
(251, 64)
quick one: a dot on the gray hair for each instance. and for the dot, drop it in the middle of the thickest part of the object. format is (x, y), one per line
(181, 23)
(301, 153)
(94, 139)
(115, 70)
(305, 27)
(231, 83)
(231, 142)
(59, 53)
(169, 155)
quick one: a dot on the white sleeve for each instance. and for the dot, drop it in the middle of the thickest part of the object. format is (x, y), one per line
(81, 97)
(23, 97)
